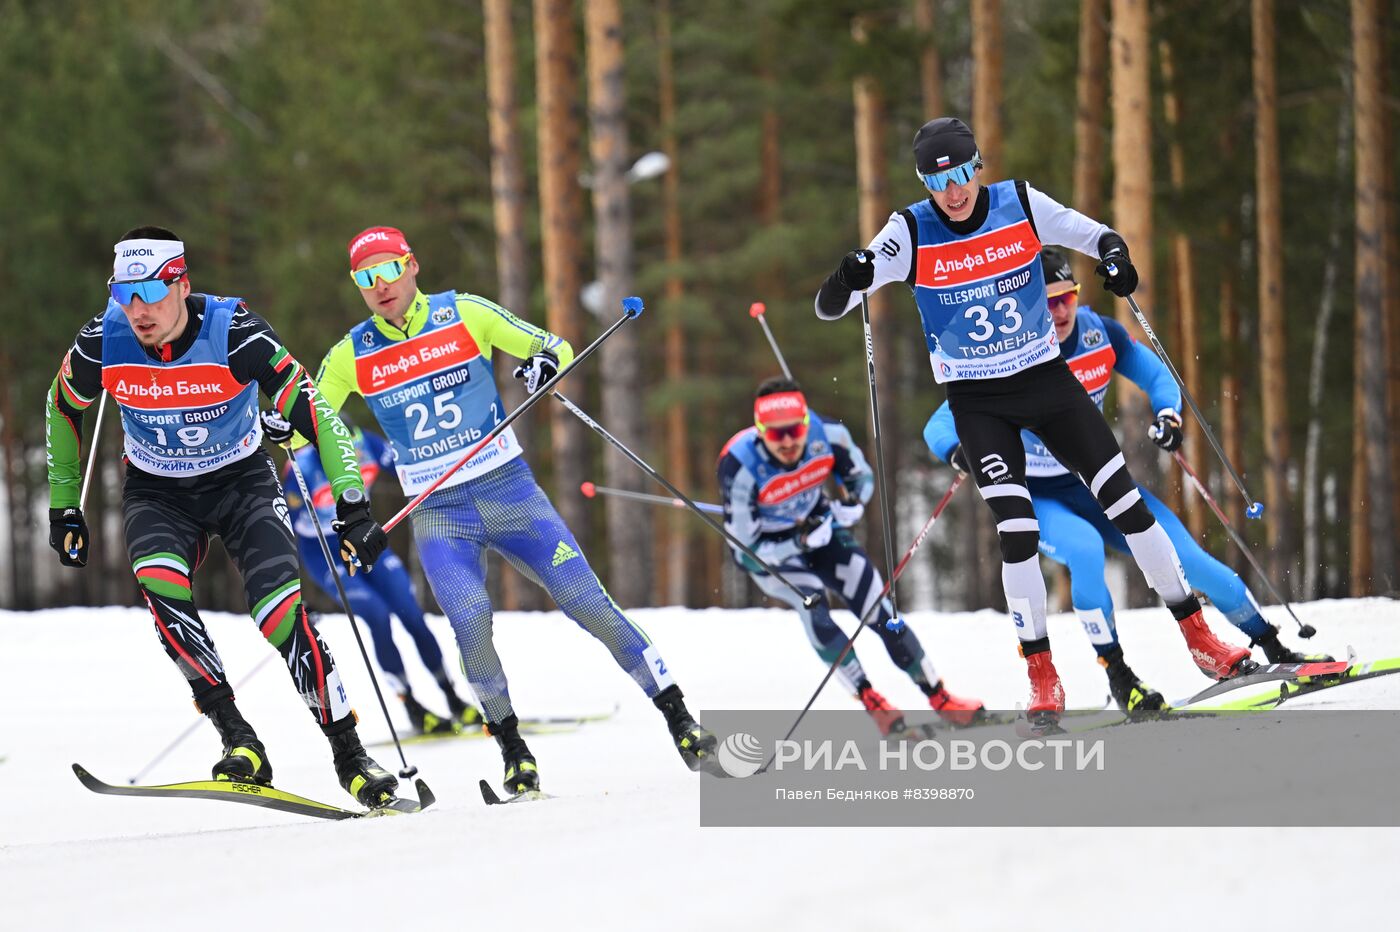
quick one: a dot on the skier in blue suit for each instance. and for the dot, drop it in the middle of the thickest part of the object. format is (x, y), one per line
(1073, 528)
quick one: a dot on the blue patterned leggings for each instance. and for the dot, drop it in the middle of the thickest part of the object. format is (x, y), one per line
(505, 510)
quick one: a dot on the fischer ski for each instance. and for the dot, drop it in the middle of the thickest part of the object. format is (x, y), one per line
(252, 794)
(489, 796)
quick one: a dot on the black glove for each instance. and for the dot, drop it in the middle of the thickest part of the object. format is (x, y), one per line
(1166, 430)
(857, 271)
(275, 427)
(537, 370)
(958, 459)
(362, 540)
(68, 535)
(1124, 279)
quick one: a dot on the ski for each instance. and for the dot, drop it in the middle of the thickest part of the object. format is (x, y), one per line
(541, 725)
(251, 794)
(1292, 690)
(489, 796)
(1297, 672)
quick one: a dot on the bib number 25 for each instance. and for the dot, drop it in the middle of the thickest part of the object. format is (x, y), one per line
(448, 415)
(983, 329)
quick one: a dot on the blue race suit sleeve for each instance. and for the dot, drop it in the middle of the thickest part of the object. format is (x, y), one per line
(379, 450)
(1143, 368)
(939, 433)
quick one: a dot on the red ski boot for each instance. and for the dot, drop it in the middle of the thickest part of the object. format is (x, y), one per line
(887, 717)
(953, 709)
(1047, 695)
(1214, 657)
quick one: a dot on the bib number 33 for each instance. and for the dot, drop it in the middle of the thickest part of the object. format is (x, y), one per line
(982, 327)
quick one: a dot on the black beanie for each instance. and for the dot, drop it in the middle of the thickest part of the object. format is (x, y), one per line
(942, 144)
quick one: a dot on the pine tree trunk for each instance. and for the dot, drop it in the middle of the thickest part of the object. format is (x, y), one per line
(1090, 91)
(679, 574)
(1132, 207)
(1371, 372)
(629, 522)
(1273, 382)
(508, 211)
(1187, 315)
(561, 220)
(930, 69)
(873, 207)
(986, 86)
(1326, 305)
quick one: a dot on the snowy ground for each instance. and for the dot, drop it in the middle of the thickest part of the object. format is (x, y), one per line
(621, 848)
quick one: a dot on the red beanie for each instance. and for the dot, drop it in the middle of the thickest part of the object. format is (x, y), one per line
(377, 240)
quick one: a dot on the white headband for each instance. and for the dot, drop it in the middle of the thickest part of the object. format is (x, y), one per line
(141, 259)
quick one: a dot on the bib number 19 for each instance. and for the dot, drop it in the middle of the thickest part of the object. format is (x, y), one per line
(981, 317)
(189, 436)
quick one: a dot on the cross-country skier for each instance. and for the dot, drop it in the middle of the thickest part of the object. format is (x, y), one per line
(771, 477)
(185, 370)
(423, 363)
(1073, 529)
(970, 255)
(376, 596)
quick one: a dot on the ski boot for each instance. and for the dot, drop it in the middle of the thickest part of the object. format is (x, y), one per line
(245, 759)
(1214, 658)
(464, 714)
(887, 718)
(694, 742)
(953, 709)
(1131, 693)
(1277, 653)
(425, 722)
(1047, 694)
(359, 775)
(521, 774)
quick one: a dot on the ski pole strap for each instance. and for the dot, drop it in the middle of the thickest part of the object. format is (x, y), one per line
(630, 311)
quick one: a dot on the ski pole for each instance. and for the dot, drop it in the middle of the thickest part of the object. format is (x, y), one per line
(92, 453)
(1305, 631)
(1254, 508)
(865, 620)
(590, 490)
(807, 600)
(194, 726)
(886, 516)
(631, 309)
(757, 311)
(407, 771)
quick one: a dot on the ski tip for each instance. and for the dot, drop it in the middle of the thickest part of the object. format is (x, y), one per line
(425, 795)
(632, 307)
(488, 795)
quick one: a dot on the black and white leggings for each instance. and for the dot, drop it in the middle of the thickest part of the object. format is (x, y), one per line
(1048, 400)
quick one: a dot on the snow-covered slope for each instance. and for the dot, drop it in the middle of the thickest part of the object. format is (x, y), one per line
(621, 847)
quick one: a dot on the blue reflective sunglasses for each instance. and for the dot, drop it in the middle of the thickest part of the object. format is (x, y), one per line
(149, 291)
(958, 174)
